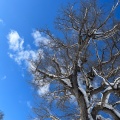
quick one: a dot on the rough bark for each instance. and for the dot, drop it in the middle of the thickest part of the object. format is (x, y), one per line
(79, 96)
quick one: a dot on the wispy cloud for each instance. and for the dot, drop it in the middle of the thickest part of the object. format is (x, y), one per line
(39, 38)
(4, 77)
(15, 41)
(21, 54)
(18, 53)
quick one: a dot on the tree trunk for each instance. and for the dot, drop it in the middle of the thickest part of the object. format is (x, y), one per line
(83, 107)
(79, 96)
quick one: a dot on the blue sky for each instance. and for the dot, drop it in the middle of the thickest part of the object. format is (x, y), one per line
(19, 18)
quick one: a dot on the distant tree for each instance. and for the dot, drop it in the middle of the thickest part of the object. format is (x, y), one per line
(1, 115)
(82, 65)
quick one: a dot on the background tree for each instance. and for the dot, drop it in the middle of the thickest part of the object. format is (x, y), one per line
(81, 66)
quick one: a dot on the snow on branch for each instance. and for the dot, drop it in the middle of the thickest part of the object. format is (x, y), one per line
(104, 80)
(99, 117)
(106, 95)
(116, 84)
(109, 15)
(118, 102)
(107, 34)
(107, 108)
(85, 95)
(112, 109)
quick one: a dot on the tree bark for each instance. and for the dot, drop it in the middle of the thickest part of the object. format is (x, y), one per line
(97, 108)
(83, 106)
(79, 96)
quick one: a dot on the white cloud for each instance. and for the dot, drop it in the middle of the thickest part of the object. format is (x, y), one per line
(40, 39)
(43, 90)
(15, 41)
(23, 56)
(18, 53)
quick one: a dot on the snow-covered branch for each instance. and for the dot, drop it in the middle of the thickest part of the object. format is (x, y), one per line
(107, 108)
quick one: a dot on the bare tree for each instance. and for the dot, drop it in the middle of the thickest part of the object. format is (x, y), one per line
(82, 66)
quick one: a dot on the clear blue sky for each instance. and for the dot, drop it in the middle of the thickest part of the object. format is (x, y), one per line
(20, 17)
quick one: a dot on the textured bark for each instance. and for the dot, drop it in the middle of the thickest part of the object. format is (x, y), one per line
(83, 107)
(79, 96)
